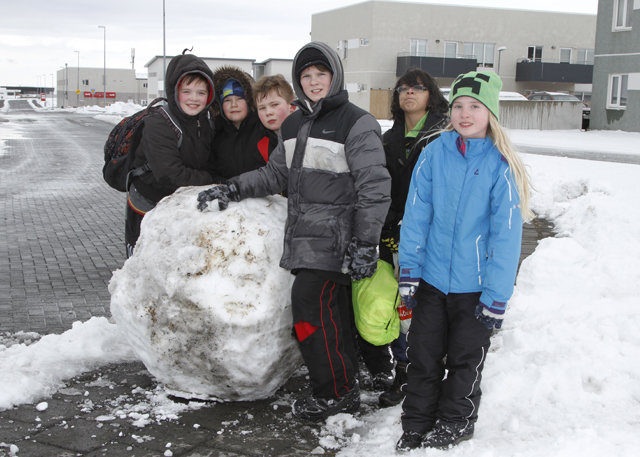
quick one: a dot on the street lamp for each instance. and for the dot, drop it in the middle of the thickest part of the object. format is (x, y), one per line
(78, 85)
(53, 92)
(44, 89)
(37, 84)
(104, 93)
(500, 49)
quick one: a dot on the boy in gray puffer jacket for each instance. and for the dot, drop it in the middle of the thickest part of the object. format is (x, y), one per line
(331, 161)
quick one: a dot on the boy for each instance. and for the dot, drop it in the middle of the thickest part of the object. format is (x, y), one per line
(330, 159)
(189, 92)
(241, 143)
(273, 96)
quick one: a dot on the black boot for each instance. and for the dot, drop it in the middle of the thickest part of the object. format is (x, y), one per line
(445, 434)
(317, 409)
(394, 395)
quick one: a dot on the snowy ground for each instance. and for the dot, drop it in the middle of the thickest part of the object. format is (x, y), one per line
(563, 377)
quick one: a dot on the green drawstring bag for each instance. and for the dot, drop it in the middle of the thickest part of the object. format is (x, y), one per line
(375, 300)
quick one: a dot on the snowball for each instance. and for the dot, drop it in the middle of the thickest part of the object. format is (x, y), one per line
(203, 302)
(42, 406)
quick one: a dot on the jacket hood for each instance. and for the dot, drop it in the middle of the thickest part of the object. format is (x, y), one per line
(337, 81)
(179, 67)
(224, 74)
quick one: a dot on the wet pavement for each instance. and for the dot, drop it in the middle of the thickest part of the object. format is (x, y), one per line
(61, 230)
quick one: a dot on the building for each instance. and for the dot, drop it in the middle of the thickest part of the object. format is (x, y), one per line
(84, 86)
(272, 67)
(530, 50)
(615, 104)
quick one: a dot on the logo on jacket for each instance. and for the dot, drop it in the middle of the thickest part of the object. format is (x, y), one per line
(477, 172)
(326, 132)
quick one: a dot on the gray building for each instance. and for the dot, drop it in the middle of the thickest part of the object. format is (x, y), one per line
(85, 86)
(530, 50)
(615, 104)
(272, 67)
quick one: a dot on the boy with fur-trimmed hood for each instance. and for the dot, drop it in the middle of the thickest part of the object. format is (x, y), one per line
(331, 161)
(241, 143)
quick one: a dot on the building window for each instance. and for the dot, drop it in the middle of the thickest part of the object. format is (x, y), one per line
(565, 55)
(585, 56)
(364, 41)
(618, 91)
(450, 49)
(144, 84)
(534, 53)
(85, 82)
(345, 49)
(483, 52)
(622, 14)
(418, 47)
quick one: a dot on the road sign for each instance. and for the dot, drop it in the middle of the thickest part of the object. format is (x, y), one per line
(77, 91)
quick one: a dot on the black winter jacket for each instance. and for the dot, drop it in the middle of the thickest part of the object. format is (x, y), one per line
(171, 167)
(331, 160)
(401, 168)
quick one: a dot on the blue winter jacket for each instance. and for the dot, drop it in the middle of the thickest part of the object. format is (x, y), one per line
(462, 227)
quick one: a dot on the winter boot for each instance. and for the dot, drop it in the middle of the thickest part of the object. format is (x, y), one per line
(316, 409)
(382, 381)
(445, 434)
(409, 440)
(394, 394)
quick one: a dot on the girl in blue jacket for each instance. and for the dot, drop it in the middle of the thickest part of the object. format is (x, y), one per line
(459, 249)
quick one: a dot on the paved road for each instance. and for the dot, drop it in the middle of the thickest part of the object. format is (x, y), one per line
(60, 238)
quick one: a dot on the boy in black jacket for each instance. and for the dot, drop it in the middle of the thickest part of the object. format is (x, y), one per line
(190, 90)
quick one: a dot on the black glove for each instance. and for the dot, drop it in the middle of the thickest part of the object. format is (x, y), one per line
(223, 193)
(487, 317)
(361, 260)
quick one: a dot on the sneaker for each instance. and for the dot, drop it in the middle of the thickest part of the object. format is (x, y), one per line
(382, 381)
(394, 395)
(445, 434)
(409, 440)
(316, 409)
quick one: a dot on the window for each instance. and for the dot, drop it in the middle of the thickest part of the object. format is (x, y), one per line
(534, 53)
(418, 47)
(585, 56)
(622, 14)
(85, 82)
(144, 84)
(565, 55)
(345, 48)
(364, 41)
(450, 50)
(618, 91)
(483, 52)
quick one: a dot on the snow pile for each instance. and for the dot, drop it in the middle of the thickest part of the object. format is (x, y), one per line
(37, 370)
(203, 301)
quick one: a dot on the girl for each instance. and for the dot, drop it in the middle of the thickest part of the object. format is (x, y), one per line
(459, 249)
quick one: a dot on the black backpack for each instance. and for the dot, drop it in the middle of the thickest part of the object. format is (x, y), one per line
(119, 150)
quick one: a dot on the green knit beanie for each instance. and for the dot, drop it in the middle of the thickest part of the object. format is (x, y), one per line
(483, 86)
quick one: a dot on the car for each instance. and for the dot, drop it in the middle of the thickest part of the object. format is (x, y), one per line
(562, 97)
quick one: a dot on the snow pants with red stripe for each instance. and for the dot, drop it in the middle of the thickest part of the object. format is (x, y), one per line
(321, 324)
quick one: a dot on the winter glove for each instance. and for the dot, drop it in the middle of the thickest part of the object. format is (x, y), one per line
(360, 261)
(491, 320)
(391, 243)
(407, 288)
(223, 193)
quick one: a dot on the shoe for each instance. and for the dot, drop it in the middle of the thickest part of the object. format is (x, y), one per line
(382, 381)
(445, 434)
(394, 395)
(409, 440)
(316, 409)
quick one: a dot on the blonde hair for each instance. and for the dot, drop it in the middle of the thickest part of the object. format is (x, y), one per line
(517, 168)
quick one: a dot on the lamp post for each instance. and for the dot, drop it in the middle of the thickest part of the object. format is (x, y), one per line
(53, 92)
(37, 84)
(78, 82)
(44, 89)
(500, 49)
(104, 93)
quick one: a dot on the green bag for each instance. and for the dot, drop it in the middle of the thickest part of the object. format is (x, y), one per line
(375, 300)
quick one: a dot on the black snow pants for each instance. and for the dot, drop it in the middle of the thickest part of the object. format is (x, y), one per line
(444, 326)
(321, 323)
(131, 230)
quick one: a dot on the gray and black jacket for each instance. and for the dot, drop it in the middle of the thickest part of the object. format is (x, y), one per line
(331, 161)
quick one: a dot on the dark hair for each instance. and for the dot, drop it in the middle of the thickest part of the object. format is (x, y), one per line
(412, 77)
(275, 83)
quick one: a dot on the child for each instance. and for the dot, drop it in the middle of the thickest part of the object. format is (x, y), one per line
(189, 93)
(459, 249)
(331, 160)
(241, 143)
(419, 112)
(273, 96)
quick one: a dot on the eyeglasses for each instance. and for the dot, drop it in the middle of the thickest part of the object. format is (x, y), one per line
(417, 89)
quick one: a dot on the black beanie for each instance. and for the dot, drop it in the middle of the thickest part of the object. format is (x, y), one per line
(310, 57)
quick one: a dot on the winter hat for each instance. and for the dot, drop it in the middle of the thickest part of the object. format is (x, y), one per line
(310, 57)
(483, 86)
(232, 87)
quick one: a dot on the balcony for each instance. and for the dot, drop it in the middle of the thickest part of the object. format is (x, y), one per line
(436, 65)
(554, 72)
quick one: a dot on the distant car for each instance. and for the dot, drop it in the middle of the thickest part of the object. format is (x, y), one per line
(503, 94)
(562, 97)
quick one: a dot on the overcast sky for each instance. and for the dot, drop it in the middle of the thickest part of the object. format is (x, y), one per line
(37, 37)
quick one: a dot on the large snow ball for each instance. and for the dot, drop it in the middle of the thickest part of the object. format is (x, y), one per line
(203, 301)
